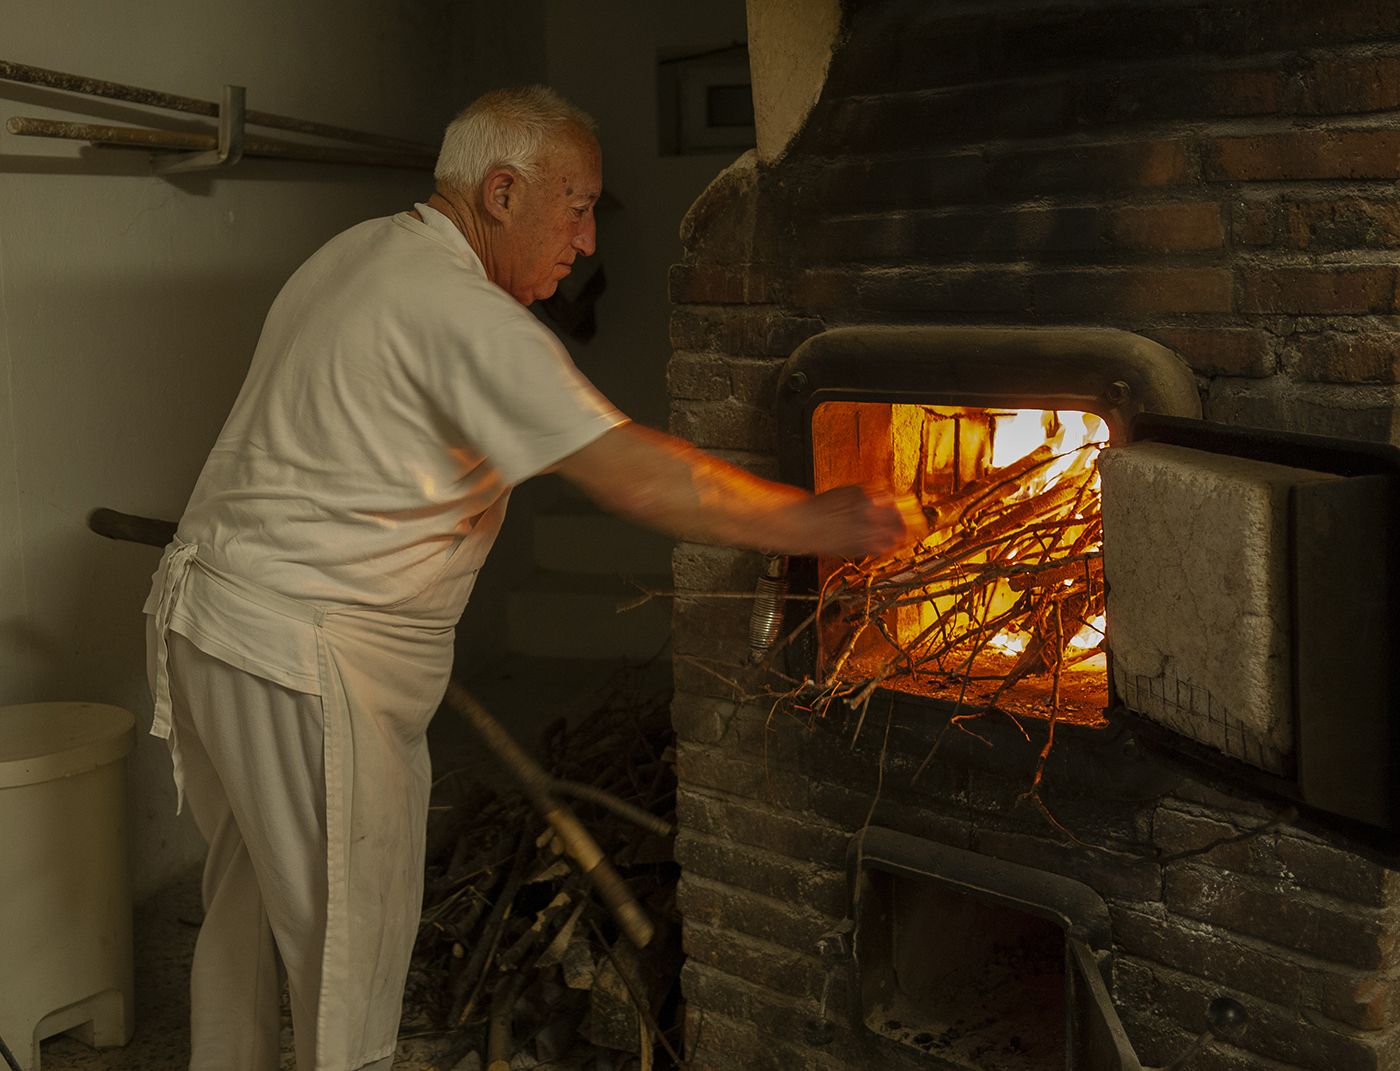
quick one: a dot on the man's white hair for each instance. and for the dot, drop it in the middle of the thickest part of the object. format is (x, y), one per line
(506, 128)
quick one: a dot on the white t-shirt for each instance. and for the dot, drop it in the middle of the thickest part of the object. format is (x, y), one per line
(395, 396)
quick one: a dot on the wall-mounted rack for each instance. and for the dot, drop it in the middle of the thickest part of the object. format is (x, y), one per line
(203, 150)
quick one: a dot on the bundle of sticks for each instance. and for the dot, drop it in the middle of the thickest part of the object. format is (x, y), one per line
(1017, 552)
(518, 960)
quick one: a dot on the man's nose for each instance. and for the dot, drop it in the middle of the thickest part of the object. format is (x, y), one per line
(586, 239)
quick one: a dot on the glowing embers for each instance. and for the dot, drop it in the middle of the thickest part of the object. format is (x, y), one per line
(1002, 604)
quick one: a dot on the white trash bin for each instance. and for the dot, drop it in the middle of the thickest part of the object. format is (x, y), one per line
(65, 888)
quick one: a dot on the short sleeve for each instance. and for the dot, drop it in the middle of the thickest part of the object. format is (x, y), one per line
(522, 402)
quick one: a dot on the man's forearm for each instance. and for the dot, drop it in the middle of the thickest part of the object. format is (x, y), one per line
(666, 483)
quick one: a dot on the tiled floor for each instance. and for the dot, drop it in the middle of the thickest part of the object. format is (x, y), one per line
(524, 694)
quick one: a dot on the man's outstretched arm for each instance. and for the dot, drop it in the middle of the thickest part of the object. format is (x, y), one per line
(665, 483)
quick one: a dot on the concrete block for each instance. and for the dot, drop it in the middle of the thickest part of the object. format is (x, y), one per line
(1196, 561)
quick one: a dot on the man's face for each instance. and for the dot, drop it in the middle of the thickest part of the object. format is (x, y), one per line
(551, 220)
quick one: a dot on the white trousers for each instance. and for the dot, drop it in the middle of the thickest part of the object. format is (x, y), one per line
(252, 754)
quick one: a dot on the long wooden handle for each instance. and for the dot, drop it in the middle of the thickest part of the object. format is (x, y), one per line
(578, 842)
(133, 529)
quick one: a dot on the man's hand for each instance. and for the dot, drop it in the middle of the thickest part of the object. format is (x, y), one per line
(666, 483)
(867, 521)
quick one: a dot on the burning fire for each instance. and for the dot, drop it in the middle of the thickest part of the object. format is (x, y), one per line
(1007, 588)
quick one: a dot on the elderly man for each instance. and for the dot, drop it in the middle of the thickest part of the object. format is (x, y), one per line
(301, 623)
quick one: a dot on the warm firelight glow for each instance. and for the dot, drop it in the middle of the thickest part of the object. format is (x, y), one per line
(1003, 600)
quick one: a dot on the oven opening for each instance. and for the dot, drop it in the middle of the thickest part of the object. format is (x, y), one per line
(977, 984)
(1002, 605)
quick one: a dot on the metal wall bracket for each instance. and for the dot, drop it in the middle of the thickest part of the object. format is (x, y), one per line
(230, 148)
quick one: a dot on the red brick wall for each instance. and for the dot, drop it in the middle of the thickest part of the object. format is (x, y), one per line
(1218, 176)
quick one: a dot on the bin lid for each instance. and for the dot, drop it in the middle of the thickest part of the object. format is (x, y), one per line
(46, 741)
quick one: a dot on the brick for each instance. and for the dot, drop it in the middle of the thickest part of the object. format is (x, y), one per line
(912, 289)
(1312, 154)
(1180, 833)
(1220, 796)
(831, 758)
(1302, 22)
(1104, 818)
(851, 809)
(1272, 1032)
(714, 629)
(715, 904)
(755, 380)
(951, 234)
(817, 887)
(929, 45)
(700, 567)
(1220, 351)
(705, 721)
(1346, 223)
(1342, 86)
(760, 962)
(1350, 936)
(780, 1016)
(1108, 292)
(1181, 92)
(1118, 875)
(721, 771)
(730, 218)
(698, 377)
(757, 331)
(796, 836)
(696, 678)
(1362, 999)
(1112, 166)
(1348, 411)
(1345, 358)
(1167, 228)
(1328, 868)
(716, 1042)
(714, 283)
(1254, 222)
(914, 120)
(1208, 953)
(1316, 291)
(710, 377)
(727, 423)
(920, 182)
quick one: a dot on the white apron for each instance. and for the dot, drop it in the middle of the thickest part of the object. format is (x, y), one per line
(380, 675)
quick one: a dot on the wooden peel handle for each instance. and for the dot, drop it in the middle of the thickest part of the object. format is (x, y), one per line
(578, 842)
(129, 527)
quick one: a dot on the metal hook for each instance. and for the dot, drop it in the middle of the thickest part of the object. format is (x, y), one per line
(230, 150)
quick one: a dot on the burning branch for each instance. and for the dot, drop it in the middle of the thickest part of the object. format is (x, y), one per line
(1012, 567)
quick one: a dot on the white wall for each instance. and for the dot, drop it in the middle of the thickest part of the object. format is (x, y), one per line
(602, 56)
(130, 304)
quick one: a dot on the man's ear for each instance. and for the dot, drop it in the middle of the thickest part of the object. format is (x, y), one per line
(498, 191)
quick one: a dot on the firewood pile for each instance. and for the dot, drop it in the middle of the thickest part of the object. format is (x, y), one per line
(519, 964)
(1008, 585)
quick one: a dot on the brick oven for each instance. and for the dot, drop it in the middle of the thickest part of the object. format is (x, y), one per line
(866, 885)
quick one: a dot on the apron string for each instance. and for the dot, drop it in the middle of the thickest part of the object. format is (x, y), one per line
(177, 568)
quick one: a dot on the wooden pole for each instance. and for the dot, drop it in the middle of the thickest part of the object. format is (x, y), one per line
(148, 138)
(96, 87)
(578, 842)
